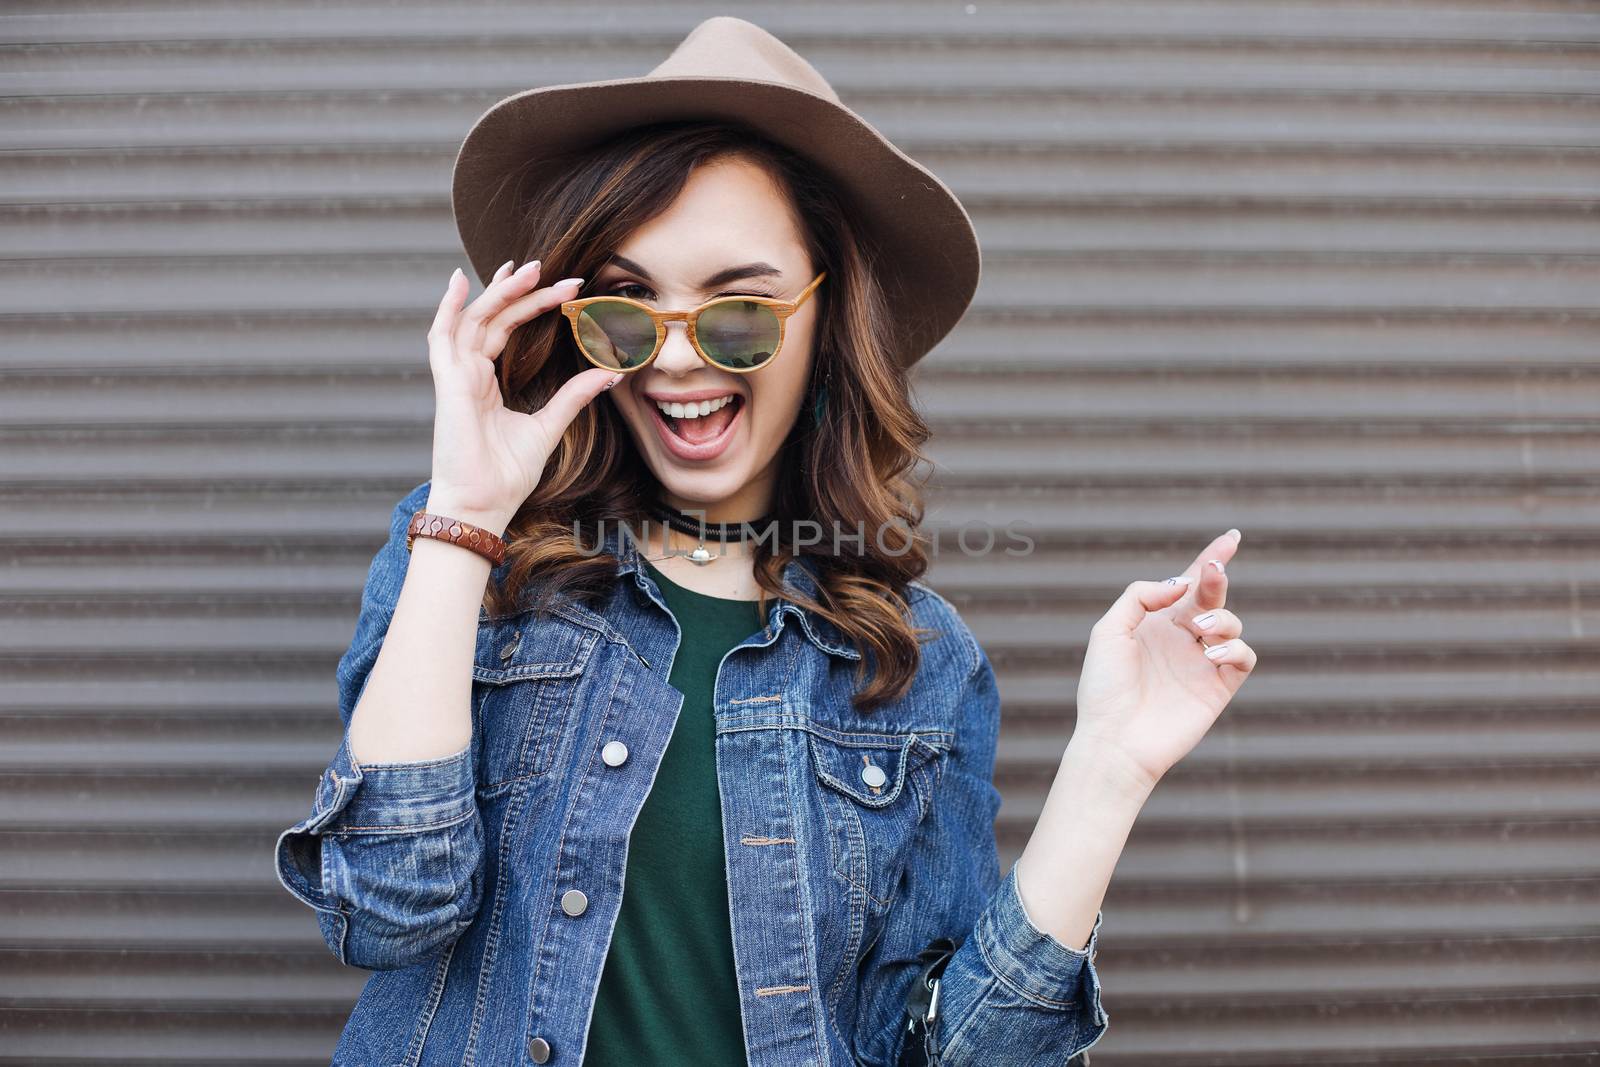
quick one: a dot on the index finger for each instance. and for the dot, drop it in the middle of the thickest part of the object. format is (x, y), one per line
(1209, 584)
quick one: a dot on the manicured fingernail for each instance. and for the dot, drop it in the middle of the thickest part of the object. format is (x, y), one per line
(526, 268)
(574, 282)
(504, 265)
(615, 378)
(1235, 534)
(1217, 563)
(455, 274)
(1205, 621)
(1216, 650)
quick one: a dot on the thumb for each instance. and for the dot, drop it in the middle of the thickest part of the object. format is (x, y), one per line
(574, 393)
(1138, 600)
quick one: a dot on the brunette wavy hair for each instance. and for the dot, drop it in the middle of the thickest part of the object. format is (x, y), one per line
(860, 466)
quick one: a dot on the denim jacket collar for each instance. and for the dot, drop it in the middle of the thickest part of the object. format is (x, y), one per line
(798, 574)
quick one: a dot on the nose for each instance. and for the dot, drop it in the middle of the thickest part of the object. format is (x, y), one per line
(677, 357)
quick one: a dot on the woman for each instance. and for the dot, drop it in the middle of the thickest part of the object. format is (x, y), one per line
(705, 793)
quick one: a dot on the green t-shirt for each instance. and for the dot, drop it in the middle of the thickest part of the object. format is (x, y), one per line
(668, 993)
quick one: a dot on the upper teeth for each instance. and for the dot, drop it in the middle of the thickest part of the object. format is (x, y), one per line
(693, 410)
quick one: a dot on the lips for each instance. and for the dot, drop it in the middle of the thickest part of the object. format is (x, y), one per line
(696, 451)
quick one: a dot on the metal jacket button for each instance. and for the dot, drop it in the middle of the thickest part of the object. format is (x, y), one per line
(873, 775)
(615, 753)
(538, 1050)
(574, 903)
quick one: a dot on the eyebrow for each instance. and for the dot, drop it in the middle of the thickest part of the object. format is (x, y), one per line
(722, 277)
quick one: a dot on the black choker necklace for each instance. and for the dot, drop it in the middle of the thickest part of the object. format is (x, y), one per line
(720, 532)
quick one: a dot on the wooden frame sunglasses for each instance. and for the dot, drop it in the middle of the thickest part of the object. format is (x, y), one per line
(781, 310)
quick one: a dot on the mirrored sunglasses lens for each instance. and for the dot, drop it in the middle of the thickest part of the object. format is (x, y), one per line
(615, 334)
(738, 334)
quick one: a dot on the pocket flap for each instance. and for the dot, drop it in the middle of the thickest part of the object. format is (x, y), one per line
(869, 768)
(520, 648)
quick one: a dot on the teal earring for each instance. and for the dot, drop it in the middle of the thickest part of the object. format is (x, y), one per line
(820, 406)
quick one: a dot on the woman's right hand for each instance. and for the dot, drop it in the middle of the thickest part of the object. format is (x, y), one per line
(487, 459)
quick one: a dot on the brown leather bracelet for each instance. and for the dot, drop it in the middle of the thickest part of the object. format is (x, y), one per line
(442, 528)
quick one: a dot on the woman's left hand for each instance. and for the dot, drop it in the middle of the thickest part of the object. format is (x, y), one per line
(1149, 690)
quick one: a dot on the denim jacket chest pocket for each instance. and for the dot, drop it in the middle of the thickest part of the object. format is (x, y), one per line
(876, 791)
(525, 676)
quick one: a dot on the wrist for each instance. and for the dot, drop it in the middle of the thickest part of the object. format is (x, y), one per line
(493, 520)
(1112, 771)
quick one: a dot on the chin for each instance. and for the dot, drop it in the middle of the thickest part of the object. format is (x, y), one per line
(699, 487)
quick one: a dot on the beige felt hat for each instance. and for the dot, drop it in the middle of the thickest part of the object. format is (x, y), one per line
(731, 69)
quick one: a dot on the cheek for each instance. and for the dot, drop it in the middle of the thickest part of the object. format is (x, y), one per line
(635, 417)
(777, 403)
(627, 406)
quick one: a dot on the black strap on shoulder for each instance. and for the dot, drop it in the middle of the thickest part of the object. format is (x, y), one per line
(922, 1005)
(922, 1008)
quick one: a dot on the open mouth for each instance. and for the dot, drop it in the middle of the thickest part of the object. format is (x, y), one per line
(700, 422)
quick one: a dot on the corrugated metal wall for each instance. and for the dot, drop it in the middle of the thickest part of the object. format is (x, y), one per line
(1329, 272)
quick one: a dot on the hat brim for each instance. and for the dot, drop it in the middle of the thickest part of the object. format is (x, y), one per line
(929, 259)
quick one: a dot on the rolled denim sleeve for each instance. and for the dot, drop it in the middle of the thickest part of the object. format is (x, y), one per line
(1011, 994)
(391, 855)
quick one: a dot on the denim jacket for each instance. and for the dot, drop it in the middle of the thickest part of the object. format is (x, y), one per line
(481, 888)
